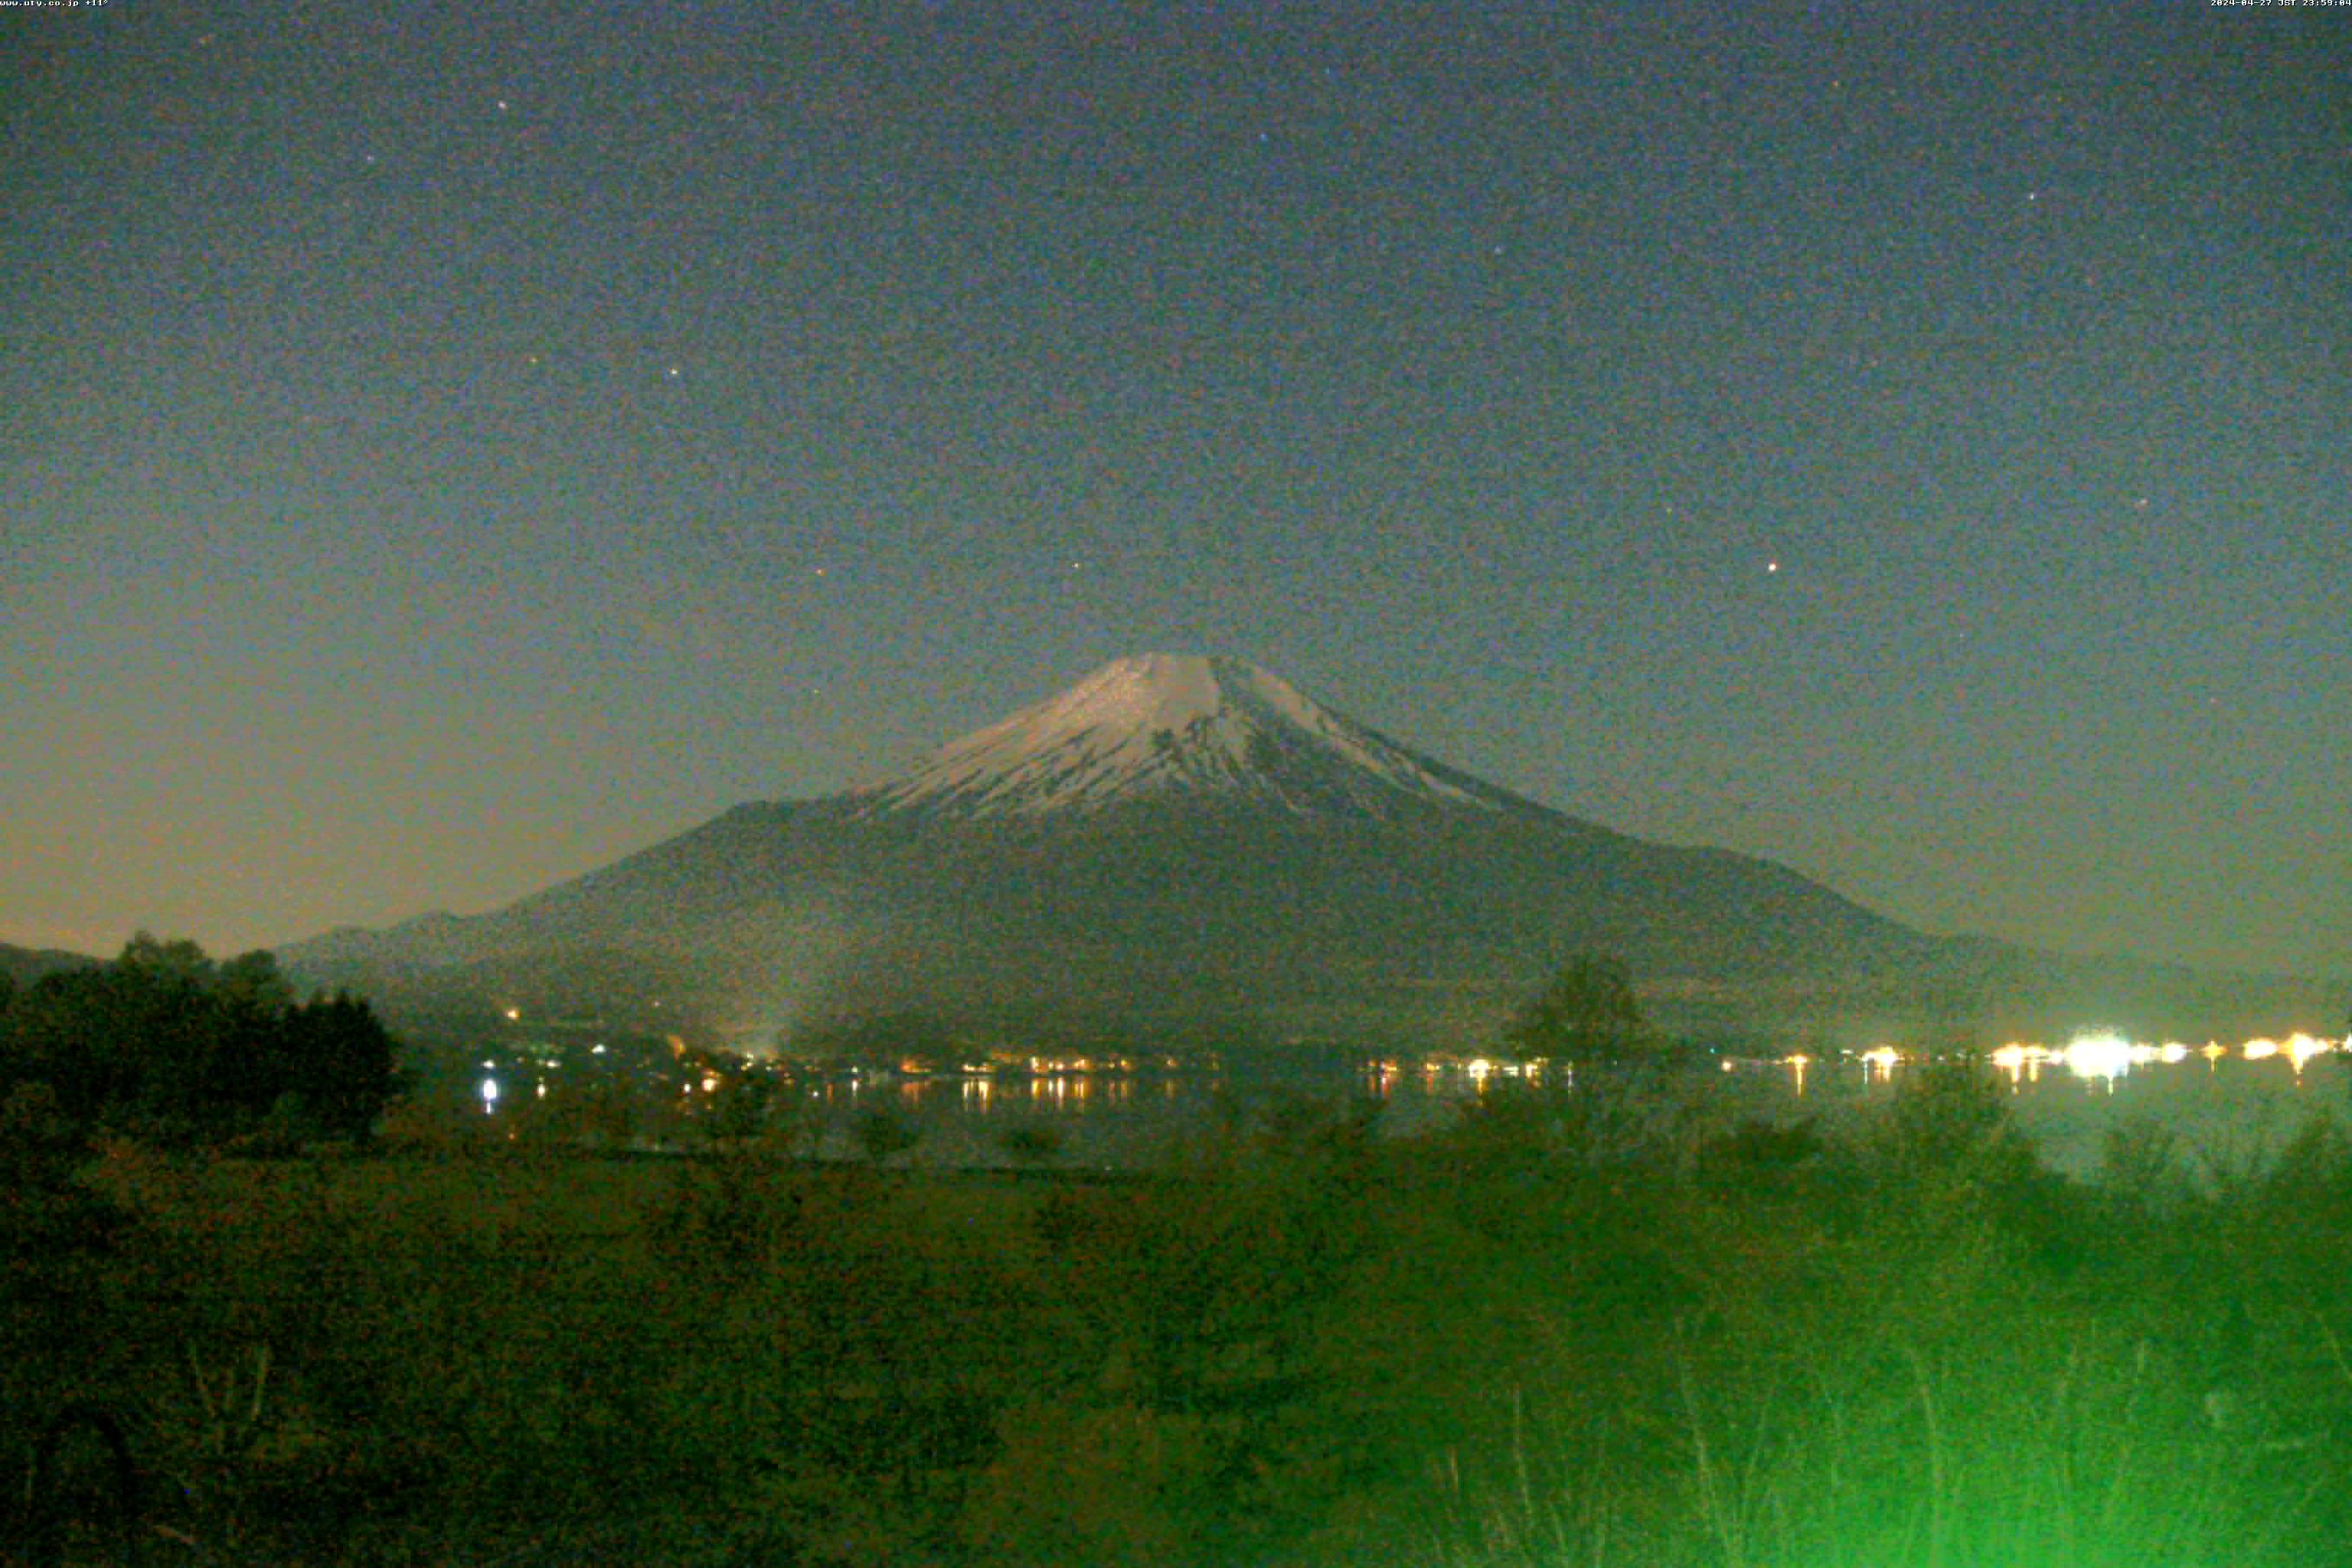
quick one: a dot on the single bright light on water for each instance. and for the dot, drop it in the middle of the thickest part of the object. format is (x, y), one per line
(489, 1094)
(2301, 1048)
(2108, 1054)
(2259, 1048)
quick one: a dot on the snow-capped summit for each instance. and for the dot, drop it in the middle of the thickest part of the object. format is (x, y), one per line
(1159, 725)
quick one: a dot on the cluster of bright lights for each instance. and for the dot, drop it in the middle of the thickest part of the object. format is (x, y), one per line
(2106, 1055)
(2109, 1055)
(2098, 1054)
(1479, 1070)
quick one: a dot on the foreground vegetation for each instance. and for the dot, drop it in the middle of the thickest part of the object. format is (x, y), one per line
(1587, 1328)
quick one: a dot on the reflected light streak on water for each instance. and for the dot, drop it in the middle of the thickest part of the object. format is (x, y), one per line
(2020, 1061)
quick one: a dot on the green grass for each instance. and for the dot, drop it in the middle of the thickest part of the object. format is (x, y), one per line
(1523, 1341)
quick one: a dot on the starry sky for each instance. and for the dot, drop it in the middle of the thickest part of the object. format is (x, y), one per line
(445, 447)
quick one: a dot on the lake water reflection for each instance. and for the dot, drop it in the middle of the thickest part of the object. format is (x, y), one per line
(2228, 1105)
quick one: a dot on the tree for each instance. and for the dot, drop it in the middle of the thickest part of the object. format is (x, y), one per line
(1586, 1013)
(81, 1032)
(252, 980)
(339, 1061)
(151, 957)
(165, 1042)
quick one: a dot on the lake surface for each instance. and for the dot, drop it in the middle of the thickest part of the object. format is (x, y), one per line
(2228, 1108)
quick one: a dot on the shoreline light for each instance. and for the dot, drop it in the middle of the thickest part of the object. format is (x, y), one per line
(2104, 1055)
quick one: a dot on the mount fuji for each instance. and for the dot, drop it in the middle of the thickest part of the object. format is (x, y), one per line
(1179, 846)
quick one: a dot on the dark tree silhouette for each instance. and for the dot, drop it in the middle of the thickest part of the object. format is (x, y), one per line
(341, 1063)
(167, 1044)
(1585, 1013)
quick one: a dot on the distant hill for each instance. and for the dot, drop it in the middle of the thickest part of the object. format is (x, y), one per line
(23, 965)
(1181, 844)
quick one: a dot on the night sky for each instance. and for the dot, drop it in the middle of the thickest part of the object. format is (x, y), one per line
(445, 448)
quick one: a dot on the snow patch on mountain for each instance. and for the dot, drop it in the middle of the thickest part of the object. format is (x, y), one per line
(1172, 724)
